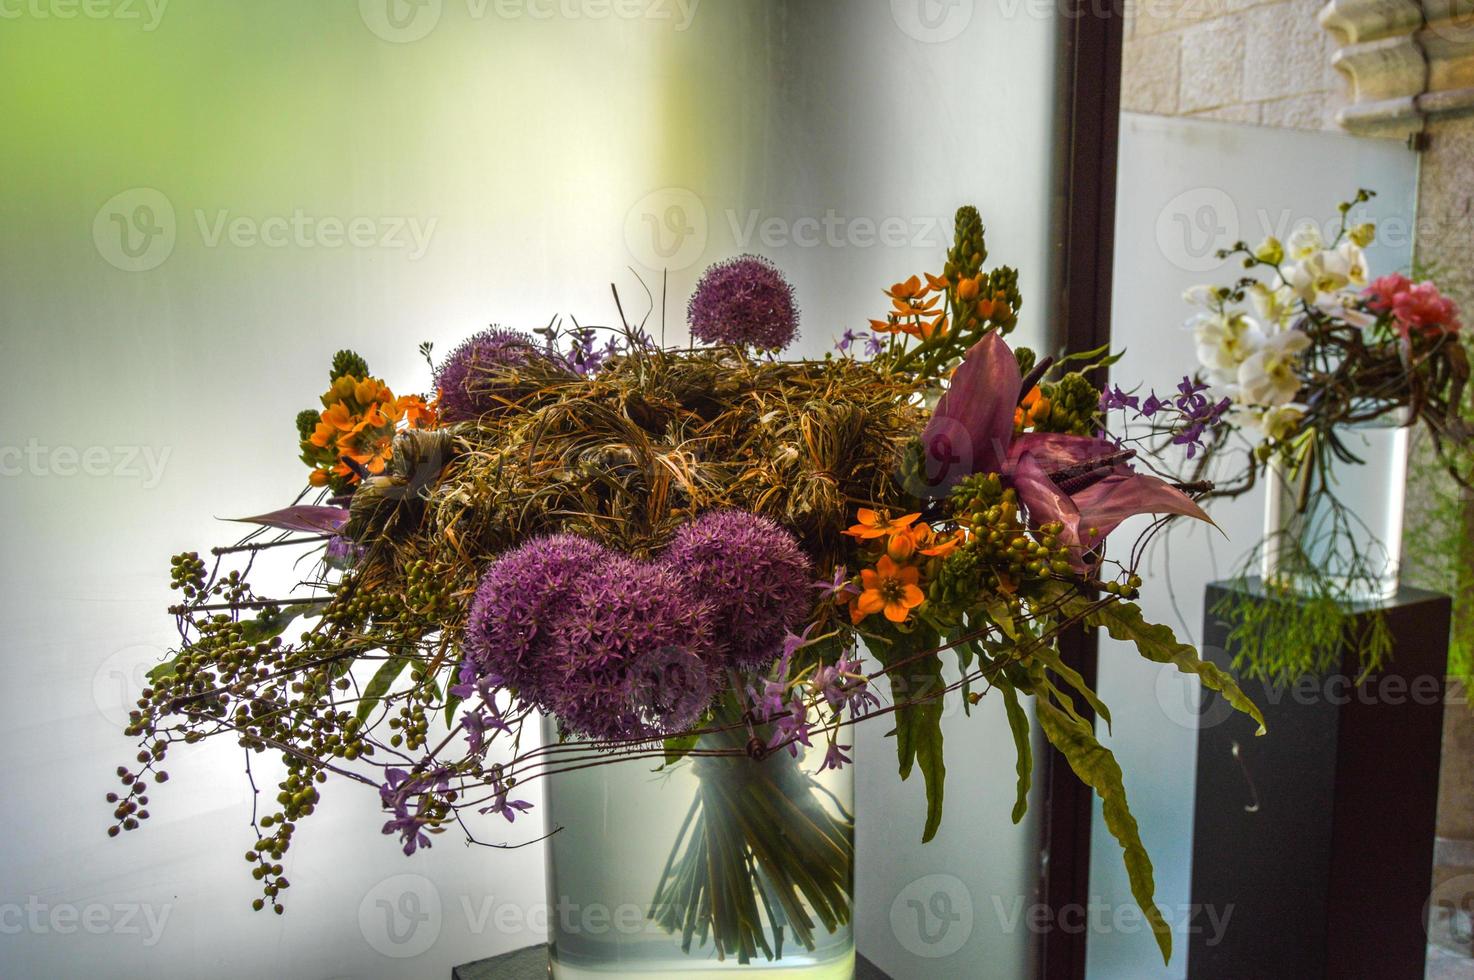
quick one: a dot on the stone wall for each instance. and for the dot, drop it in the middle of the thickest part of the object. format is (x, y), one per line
(1237, 60)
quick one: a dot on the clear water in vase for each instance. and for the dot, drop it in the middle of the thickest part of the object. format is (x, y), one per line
(691, 870)
(1355, 548)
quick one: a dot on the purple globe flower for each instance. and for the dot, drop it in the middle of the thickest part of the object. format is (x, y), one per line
(467, 391)
(744, 301)
(626, 654)
(752, 571)
(522, 593)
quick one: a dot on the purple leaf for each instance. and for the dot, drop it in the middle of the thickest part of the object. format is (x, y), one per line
(305, 518)
(1055, 451)
(970, 430)
(1044, 501)
(1125, 494)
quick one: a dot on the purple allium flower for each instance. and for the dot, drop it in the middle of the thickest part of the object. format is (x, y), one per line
(753, 573)
(625, 659)
(511, 628)
(466, 391)
(744, 301)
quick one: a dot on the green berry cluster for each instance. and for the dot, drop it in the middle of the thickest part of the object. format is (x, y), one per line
(187, 574)
(1002, 558)
(1074, 406)
(427, 590)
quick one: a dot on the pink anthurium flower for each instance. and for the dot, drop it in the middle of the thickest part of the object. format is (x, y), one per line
(1081, 482)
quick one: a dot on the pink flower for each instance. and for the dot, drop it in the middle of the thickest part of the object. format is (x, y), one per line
(1424, 309)
(1415, 307)
(1381, 293)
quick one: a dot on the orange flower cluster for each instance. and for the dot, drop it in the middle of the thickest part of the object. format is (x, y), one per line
(903, 546)
(358, 423)
(917, 306)
(914, 308)
(1031, 410)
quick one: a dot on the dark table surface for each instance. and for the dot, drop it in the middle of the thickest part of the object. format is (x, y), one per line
(532, 964)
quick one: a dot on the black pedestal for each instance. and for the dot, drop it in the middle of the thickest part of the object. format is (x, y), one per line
(1315, 841)
(532, 964)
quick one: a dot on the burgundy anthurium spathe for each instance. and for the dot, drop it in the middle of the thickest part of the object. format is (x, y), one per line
(1081, 482)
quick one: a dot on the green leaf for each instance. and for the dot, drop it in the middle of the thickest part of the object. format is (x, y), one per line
(1051, 659)
(1160, 645)
(1018, 723)
(997, 611)
(274, 622)
(451, 703)
(158, 672)
(919, 725)
(379, 685)
(677, 746)
(1094, 764)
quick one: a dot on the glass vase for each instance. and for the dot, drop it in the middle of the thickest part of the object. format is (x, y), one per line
(716, 864)
(1337, 531)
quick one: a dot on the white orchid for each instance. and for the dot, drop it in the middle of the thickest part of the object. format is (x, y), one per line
(1209, 297)
(1275, 424)
(1305, 241)
(1328, 272)
(1224, 341)
(1267, 377)
(1274, 304)
(1355, 263)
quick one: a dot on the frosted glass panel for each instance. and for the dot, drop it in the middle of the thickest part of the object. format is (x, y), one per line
(1187, 188)
(178, 268)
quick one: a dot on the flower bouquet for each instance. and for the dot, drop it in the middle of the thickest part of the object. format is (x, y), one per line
(1321, 370)
(682, 559)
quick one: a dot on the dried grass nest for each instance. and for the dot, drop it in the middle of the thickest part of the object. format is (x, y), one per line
(629, 455)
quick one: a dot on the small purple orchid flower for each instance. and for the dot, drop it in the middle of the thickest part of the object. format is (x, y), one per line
(835, 757)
